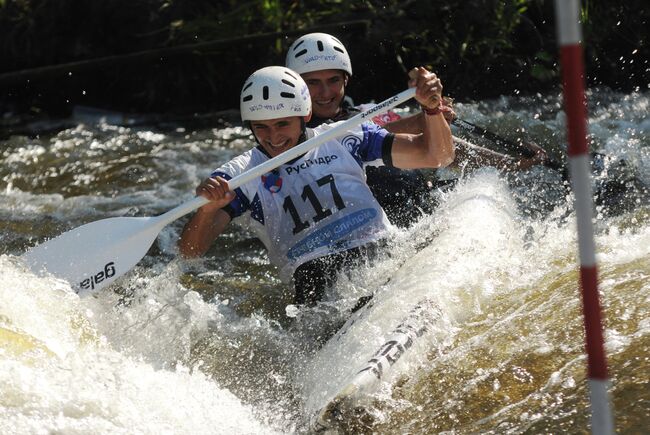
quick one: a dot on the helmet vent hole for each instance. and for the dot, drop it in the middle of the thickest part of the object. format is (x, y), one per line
(320, 45)
(293, 76)
(247, 86)
(247, 98)
(287, 95)
(287, 82)
(298, 45)
(300, 53)
(339, 49)
(265, 93)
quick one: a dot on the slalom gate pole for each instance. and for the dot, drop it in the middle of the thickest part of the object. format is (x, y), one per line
(571, 60)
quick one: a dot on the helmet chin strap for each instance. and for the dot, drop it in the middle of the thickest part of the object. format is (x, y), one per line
(247, 124)
(303, 130)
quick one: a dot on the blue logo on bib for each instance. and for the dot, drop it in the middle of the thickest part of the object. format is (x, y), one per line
(332, 233)
(272, 182)
(351, 142)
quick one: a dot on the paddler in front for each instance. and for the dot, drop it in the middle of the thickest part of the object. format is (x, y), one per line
(315, 214)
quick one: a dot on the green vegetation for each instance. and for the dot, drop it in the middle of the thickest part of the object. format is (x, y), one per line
(481, 48)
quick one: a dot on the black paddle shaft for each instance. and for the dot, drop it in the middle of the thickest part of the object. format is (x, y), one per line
(507, 143)
(605, 189)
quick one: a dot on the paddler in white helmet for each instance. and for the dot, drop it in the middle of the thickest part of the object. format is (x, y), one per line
(315, 214)
(324, 63)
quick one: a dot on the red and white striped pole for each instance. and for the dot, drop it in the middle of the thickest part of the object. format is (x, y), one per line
(571, 58)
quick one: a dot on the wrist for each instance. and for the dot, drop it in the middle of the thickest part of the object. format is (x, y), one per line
(440, 108)
(208, 209)
(432, 112)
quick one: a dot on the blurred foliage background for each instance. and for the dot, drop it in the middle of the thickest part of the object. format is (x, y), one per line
(480, 48)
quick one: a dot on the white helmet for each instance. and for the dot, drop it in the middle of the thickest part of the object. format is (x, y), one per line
(274, 92)
(316, 52)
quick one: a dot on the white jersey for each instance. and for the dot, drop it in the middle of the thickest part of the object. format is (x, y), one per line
(317, 204)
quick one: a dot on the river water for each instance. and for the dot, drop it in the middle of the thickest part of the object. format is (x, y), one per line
(214, 346)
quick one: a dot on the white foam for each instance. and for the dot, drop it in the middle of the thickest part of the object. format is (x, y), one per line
(466, 262)
(65, 377)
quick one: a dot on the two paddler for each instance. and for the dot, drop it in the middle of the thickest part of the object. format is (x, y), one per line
(316, 214)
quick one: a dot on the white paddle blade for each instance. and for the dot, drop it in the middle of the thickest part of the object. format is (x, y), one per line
(96, 254)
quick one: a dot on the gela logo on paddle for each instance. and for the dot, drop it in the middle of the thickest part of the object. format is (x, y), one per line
(108, 272)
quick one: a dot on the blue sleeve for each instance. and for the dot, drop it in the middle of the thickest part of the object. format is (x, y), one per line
(237, 206)
(376, 145)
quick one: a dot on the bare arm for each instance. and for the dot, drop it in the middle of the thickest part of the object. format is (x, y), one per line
(410, 124)
(434, 147)
(201, 231)
(209, 221)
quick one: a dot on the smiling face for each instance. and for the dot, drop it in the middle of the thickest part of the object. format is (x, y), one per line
(277, 135)
(327, 89)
